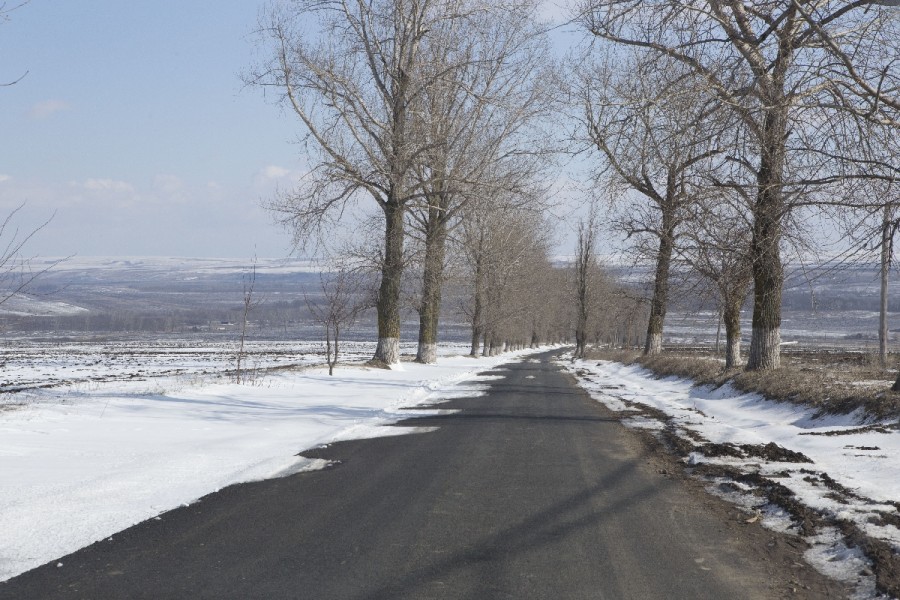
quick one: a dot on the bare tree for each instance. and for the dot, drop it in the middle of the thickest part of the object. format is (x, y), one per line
(247, 305)
(622, 317)
(473, 120)
(783, 68)
(504, 247)
(718, 249)
(355, 87)
(5, 11)
(585, 271)
(889, 225)
(342, 292)
(17, 271)
(657, 133)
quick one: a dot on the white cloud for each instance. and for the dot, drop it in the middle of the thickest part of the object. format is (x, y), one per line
(47, 108)
(106, 185)
(108, 216)
(274, 172)
(4, 177)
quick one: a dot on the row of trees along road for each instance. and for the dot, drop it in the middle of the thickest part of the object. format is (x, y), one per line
(422, 106)
(721, 128)
(725, 111)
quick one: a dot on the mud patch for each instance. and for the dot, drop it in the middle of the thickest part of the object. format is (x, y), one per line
(772, 452)
(712, 450)
(675, 443)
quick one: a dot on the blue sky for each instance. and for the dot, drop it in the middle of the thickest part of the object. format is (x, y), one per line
(133, 127)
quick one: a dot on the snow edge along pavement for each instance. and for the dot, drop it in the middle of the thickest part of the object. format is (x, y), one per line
(828, 480)
(79, 470)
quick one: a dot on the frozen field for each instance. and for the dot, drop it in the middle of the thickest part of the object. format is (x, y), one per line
(79, 366)
(845, 329)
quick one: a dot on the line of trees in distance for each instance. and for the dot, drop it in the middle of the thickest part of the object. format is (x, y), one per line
(720, 133)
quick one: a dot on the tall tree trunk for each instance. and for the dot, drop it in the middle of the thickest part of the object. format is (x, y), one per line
(586, 236)
(581, 329)
(718, 329)
(731, 315)
(660, 299)
(388, 305)
(330, 358)
(886, 247)
(768, 272)
(478, 308)
(579, 342)
(432, 283)
(582, 308)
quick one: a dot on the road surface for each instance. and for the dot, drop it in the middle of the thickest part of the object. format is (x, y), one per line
(532, 491)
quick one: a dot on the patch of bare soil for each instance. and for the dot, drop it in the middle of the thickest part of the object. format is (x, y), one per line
(377, 363)
(677, 442)
(807, 520)
(772, 452)
(717, 450)
(885, 518)
(839, 492)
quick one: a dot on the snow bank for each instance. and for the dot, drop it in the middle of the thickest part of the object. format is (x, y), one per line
(863, 459)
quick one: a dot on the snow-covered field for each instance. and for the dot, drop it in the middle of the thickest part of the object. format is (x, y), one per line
(30, 364)
(118, 441)
(862, 458)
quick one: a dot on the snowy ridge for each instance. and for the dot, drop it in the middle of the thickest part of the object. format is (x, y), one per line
(33, 306)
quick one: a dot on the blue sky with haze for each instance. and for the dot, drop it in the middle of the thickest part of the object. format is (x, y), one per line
(133, 126)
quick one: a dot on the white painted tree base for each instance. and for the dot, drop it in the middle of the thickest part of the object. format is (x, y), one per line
(654, 344)
(427, 354)
(388, 351)
(733, 353)
(765, 349)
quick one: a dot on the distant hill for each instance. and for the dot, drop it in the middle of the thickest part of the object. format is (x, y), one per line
(92, 295)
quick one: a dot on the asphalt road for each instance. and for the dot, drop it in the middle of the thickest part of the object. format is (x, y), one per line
(533, 491)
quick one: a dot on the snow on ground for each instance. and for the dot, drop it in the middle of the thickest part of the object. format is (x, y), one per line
(28, 363)
(79, 463)
(859, 456)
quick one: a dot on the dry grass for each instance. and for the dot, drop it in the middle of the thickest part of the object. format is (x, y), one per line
(705, 370)
(831, 383)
